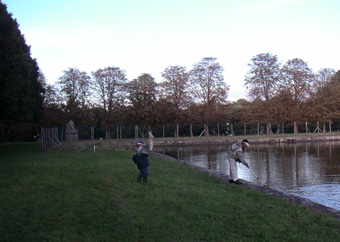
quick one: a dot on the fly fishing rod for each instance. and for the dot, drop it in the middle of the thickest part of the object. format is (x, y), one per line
(257, 177)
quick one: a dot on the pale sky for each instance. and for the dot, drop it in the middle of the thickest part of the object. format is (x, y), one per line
(147, 36)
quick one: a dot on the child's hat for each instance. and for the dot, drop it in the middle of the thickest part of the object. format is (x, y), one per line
(140, 143)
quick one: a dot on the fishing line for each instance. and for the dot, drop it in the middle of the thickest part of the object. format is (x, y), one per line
(257, 177)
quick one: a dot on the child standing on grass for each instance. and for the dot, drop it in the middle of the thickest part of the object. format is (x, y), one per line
(140, 158)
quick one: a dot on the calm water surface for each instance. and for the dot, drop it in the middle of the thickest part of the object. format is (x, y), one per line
(310, 170)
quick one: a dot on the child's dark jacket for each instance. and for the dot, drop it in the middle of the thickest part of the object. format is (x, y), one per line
(141, 158)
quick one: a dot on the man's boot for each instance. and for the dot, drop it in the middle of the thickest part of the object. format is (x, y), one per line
(145, 179)
(139, 178)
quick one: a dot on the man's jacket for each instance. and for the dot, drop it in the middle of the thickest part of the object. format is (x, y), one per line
(235, 151)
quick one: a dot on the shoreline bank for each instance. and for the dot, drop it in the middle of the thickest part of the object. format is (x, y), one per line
(316, 207)
(130, 144)
(252, 139)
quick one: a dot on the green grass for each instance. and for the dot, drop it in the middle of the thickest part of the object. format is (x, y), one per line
(87, 196)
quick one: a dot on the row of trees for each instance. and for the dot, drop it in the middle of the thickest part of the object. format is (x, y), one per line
(290, 93)
(284, 95)
(110, 99)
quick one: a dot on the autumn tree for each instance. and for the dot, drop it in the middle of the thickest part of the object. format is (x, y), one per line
(51, 96)
(175, 86)
(282, 107)
(240, 113)
(322, 77)
(317, 100)
(142, 93)
(262, 79)
(53, 107)
(74, 88)
(207, 86)
(110, 85)
(261, 82)
(325, 102)
(174, 89)
(297, 78)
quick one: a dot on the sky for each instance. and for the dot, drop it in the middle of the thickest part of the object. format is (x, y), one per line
(147, 36)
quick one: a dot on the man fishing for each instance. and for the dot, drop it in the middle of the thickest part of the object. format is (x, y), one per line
(235, 154)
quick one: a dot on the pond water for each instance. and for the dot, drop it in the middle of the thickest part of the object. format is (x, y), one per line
(310, 170)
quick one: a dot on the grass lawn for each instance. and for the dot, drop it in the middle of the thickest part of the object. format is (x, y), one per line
(87, 196)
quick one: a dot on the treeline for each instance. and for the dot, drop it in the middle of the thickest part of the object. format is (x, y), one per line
(281, 97)
(107, 99)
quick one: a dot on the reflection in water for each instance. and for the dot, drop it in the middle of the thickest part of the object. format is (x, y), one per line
(310, 170)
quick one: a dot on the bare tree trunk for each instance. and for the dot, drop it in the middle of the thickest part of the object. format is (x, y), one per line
(177, 131)
(244, 128)
(117, 128)
(307, 129)
(317, 127)
(267, 128)
(163, 131)
(330, 126)
(136, 132)
(324, 127)
(92, 132)
(106, 132)
(270, 126)
(201, 133)
(192, 135)
(232, 129)
(295, 128)
(62, 134)
(283, 127)
(218, 129)
(258, 128)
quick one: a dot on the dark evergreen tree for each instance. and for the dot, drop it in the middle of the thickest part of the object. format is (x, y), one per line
(21, 93)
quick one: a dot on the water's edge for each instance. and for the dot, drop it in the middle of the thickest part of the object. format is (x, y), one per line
(253, 139)
(288, 197)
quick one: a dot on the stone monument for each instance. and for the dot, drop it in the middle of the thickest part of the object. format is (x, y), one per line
(71, 133)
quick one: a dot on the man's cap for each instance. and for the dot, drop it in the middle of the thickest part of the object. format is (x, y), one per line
(246, 142)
